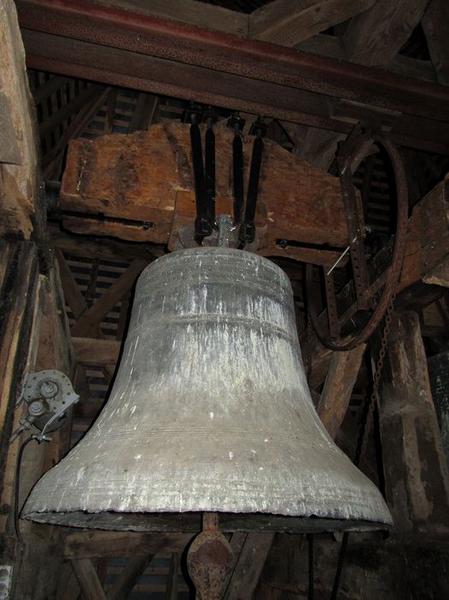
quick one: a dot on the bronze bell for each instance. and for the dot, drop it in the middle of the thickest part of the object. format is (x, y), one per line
(210, 411)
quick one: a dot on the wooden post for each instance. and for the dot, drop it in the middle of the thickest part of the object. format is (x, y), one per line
(336, 394)
(19, 214)
(416, 474)
(88, 579)
(249, 566)
(40, 557)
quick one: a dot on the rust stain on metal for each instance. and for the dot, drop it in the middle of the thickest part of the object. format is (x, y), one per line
(209, 561)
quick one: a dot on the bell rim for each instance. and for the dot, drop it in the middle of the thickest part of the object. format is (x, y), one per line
(190, 522)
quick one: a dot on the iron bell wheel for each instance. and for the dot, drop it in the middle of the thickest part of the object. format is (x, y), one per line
(210, 412)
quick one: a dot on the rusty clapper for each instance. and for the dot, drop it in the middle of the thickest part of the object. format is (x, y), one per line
(210, 412)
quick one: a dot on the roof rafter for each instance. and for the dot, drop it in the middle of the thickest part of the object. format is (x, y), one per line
(289, 22)
(374, 37)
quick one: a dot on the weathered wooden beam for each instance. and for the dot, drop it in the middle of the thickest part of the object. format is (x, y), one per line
(434, 23)
(289, 22)
(9, 150)
(94, 351)
(187, 11)
(19, 278)
(68, 586)
(72, 293)
(49, 349)
(144, 112)
(246, 575)
(317, 146)
(103, 544)
(163, 57)
(374, 37)
(340, 380)
(88, 579)
(91, 318)
(18, 168)
(427, 251)
(416, 474)
(127, 579)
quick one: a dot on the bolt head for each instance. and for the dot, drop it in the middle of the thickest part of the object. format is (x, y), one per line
(48, 389)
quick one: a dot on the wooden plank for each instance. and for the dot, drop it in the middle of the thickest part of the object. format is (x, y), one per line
(340, 380)
(103, 544)
(72, 293)
(95, 352)
(435, 23)
(374, 37)
(127, 579)
(18, 175)
(88, 579)
(249, 566)
(418, 496)
(92, 317)
(289, 22)
(188, 11)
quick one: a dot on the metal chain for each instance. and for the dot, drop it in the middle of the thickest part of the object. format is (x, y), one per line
(377, 375)
(365, 428)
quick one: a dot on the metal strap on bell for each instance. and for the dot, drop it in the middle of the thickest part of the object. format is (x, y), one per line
(210, 411)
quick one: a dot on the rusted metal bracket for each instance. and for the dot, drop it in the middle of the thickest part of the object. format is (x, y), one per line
(209, 560)
(355, 149)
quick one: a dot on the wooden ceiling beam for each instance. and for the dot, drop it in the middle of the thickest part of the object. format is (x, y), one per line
(374, 37)
(289, 22)
(192, 12)
(178, 45)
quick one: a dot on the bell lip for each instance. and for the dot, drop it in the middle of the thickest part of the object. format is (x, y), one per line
(165, 522)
